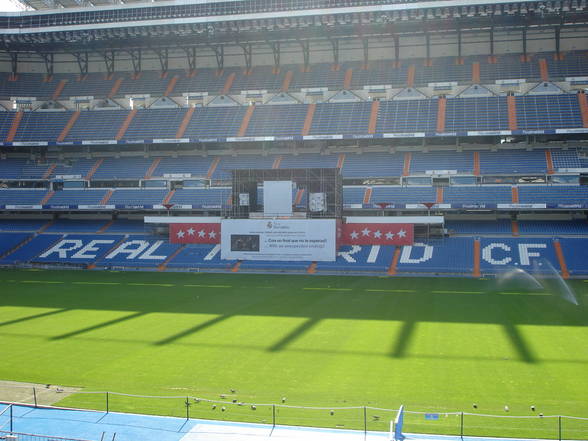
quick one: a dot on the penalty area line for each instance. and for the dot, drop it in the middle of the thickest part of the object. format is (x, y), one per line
(208, 286)
(327, 289)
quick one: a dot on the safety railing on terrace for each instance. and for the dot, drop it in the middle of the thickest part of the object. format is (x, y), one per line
(230, 407)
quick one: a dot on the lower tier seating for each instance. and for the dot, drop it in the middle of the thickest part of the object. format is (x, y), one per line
(453, 255)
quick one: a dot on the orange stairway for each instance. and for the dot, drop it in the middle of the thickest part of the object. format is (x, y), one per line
(367, 195)
(512, 112)
(277, 162)
(442, 103)
(212, 168)
(476, 72)
(14, 126)
(549, 162)
(228, 83)
(245, 122)
(168, 197)
(97, 164)
(115, 87)
(152, 168)
(106, 198)
(185, 122)
(347, 79)
(395, 258)
(406, 167)
(287, 80)
(514, 225)
(49, 171)
(583, 108)
(410, 75)
(126, 124)
(58, 89)
(72, 120)
(543, 69)
(48, 196)
(476, 163)
(373, 117)
(561, 259)
(170, 86)
(477, 254)
(308, 119)
(515, 194)
(439, 198)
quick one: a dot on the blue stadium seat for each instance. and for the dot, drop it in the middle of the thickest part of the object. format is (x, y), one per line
(449, 256)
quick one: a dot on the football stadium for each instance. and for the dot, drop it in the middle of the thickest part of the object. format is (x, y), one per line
(293, 219)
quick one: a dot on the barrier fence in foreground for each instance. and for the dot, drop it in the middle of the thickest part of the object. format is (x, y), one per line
(367, 418)
(17, 436)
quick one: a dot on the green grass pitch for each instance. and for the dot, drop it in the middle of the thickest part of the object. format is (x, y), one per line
(432, 344)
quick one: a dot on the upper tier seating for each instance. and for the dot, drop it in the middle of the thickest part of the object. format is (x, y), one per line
(397, 116)
(205, 197)
(5, 123)
(123, 168)
(568, 159)
(215, 122)
(22, 197)
(137, 197)
(407, 116)
(515, 161)
(227, 163)
(97, 124)
(463, 162)
(477, 195)
(197, 166)
(380, 72)
(155, 123)
(553, 194)
(369, 164)
(77, 197)
(279, 120)
(403, 195)
(74, 167)
(373, 165)
(41, 125)
(20, 168)
(343, 118)
(546, 111)
(485, 113)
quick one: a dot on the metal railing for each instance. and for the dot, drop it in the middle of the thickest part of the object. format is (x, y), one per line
(229, 407)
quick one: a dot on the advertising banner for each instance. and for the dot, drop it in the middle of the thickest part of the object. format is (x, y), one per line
(268, 239)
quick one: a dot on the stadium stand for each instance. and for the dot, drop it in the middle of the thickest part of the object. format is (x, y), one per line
(30, 250)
